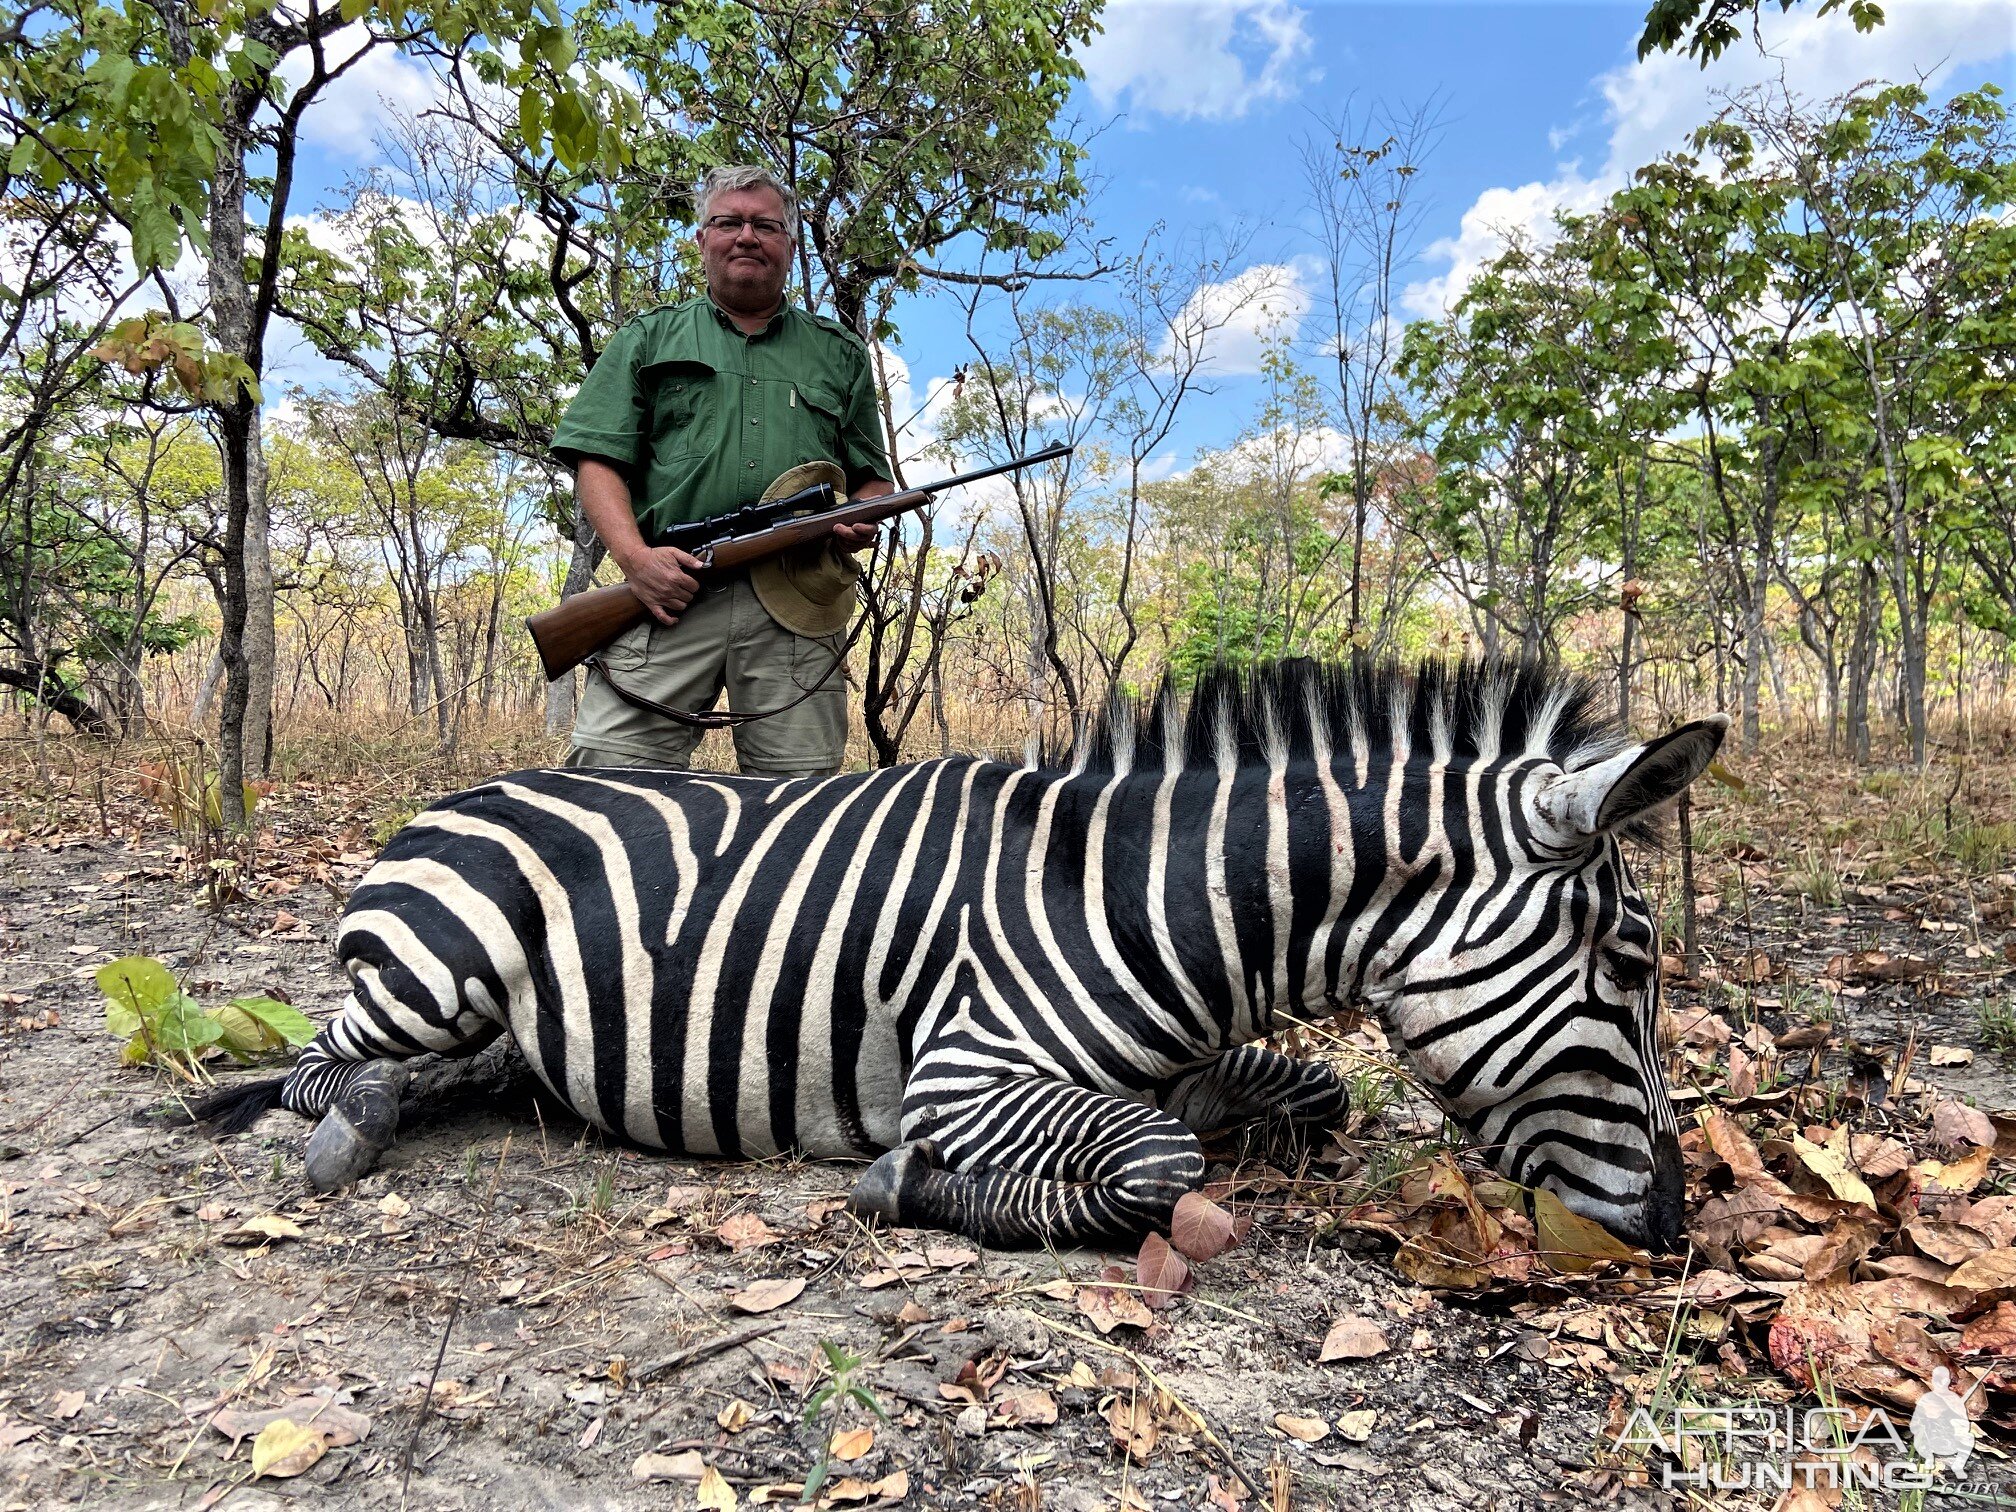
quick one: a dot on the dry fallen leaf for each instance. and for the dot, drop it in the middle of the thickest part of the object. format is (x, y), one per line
(1353, 1338)
(263, 1229)
(686, 1465)
(1200, 1229)
(1133, 1424)
(1950, 1055)
(339, 1424)
(1302, 1430)
(1956, 1125)
(1109, 1308)
(851, 1445)
(1357, 1426)
(766, 1296)
(392, 1205)
(1830, 1163)
(1164, 1275)
(284, 1448)
(745, 1231)
(714, 1491)
(1030, 1405)
(736, 1416)
(1569, 1242)
(67, 1405)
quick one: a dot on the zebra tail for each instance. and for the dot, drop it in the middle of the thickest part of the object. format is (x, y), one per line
(235, 1110)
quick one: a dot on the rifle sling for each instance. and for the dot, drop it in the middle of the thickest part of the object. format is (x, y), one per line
(724, 719)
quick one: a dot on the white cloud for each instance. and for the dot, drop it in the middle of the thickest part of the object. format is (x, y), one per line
(1235, 320)
(348, 114)
(1496, 215)
(1650, 107)
(1210, 60)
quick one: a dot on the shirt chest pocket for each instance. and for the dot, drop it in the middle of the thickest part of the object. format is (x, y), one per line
(816, 412)
(685, 405)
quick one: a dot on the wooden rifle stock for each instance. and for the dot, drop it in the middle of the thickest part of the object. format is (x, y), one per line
(576, 628)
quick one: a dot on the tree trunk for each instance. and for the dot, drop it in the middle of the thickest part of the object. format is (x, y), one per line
(1862, 665)
(206, 691)
(245, 726)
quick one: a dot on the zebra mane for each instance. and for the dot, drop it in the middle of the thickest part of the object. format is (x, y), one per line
(1297, 709)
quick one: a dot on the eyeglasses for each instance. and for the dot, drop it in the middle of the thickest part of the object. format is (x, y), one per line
(731, 225)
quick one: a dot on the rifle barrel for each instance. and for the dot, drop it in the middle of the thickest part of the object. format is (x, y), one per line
(1048, 454)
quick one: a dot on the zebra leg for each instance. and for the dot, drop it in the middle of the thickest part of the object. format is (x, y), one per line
(1028, 1163)
(350, 1078)
(1251, 1082)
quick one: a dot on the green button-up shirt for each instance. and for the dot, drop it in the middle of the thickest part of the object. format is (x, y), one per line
(700, 418)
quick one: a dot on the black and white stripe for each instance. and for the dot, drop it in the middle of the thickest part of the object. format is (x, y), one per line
(1030, 986)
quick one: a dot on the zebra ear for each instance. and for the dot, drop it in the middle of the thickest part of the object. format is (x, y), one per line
(1632, 784)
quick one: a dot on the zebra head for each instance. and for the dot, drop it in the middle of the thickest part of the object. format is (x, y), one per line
(1532, 1012)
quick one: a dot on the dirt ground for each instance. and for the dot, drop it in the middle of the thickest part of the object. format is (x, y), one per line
(590, 1317)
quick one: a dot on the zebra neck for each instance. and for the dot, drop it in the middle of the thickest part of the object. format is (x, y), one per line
(1242, 899)
(1218, 892)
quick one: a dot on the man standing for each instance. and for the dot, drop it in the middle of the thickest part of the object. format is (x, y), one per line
(693, 410)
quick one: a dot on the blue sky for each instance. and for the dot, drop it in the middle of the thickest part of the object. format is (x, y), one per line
(1199, 106)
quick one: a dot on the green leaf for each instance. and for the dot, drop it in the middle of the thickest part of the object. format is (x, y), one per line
(136, 989)
(273, 1025)
(532, 118)
(557, 47)
(185, 1028)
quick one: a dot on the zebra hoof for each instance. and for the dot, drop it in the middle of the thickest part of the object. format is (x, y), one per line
(358, 1129)
(879, 1192)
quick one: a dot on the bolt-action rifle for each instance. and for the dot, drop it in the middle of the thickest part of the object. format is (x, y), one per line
(576, 628)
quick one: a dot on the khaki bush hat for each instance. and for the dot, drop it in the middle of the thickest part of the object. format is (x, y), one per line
(810, 591)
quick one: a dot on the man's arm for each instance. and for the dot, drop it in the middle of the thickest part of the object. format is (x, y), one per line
(662, 576)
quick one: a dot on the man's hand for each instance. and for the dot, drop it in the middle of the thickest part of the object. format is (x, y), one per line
(855, 537)
(662, 578)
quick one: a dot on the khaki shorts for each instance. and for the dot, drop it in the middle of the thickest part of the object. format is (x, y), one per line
(724, 640)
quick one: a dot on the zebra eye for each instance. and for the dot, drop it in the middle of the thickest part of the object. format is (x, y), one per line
(1630, 972)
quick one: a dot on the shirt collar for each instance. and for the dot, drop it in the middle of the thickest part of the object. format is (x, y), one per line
(728, 321)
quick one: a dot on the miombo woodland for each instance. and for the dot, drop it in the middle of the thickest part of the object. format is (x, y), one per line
(1740, 440)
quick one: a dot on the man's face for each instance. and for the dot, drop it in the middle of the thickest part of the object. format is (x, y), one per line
(746, 268)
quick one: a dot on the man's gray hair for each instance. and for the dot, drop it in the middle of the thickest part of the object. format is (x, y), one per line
(733, 176)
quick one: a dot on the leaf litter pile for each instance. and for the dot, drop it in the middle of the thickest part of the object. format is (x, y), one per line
(1324, 1324)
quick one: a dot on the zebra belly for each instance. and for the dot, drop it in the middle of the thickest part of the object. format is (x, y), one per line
(682, 1007)
(775, 1109)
